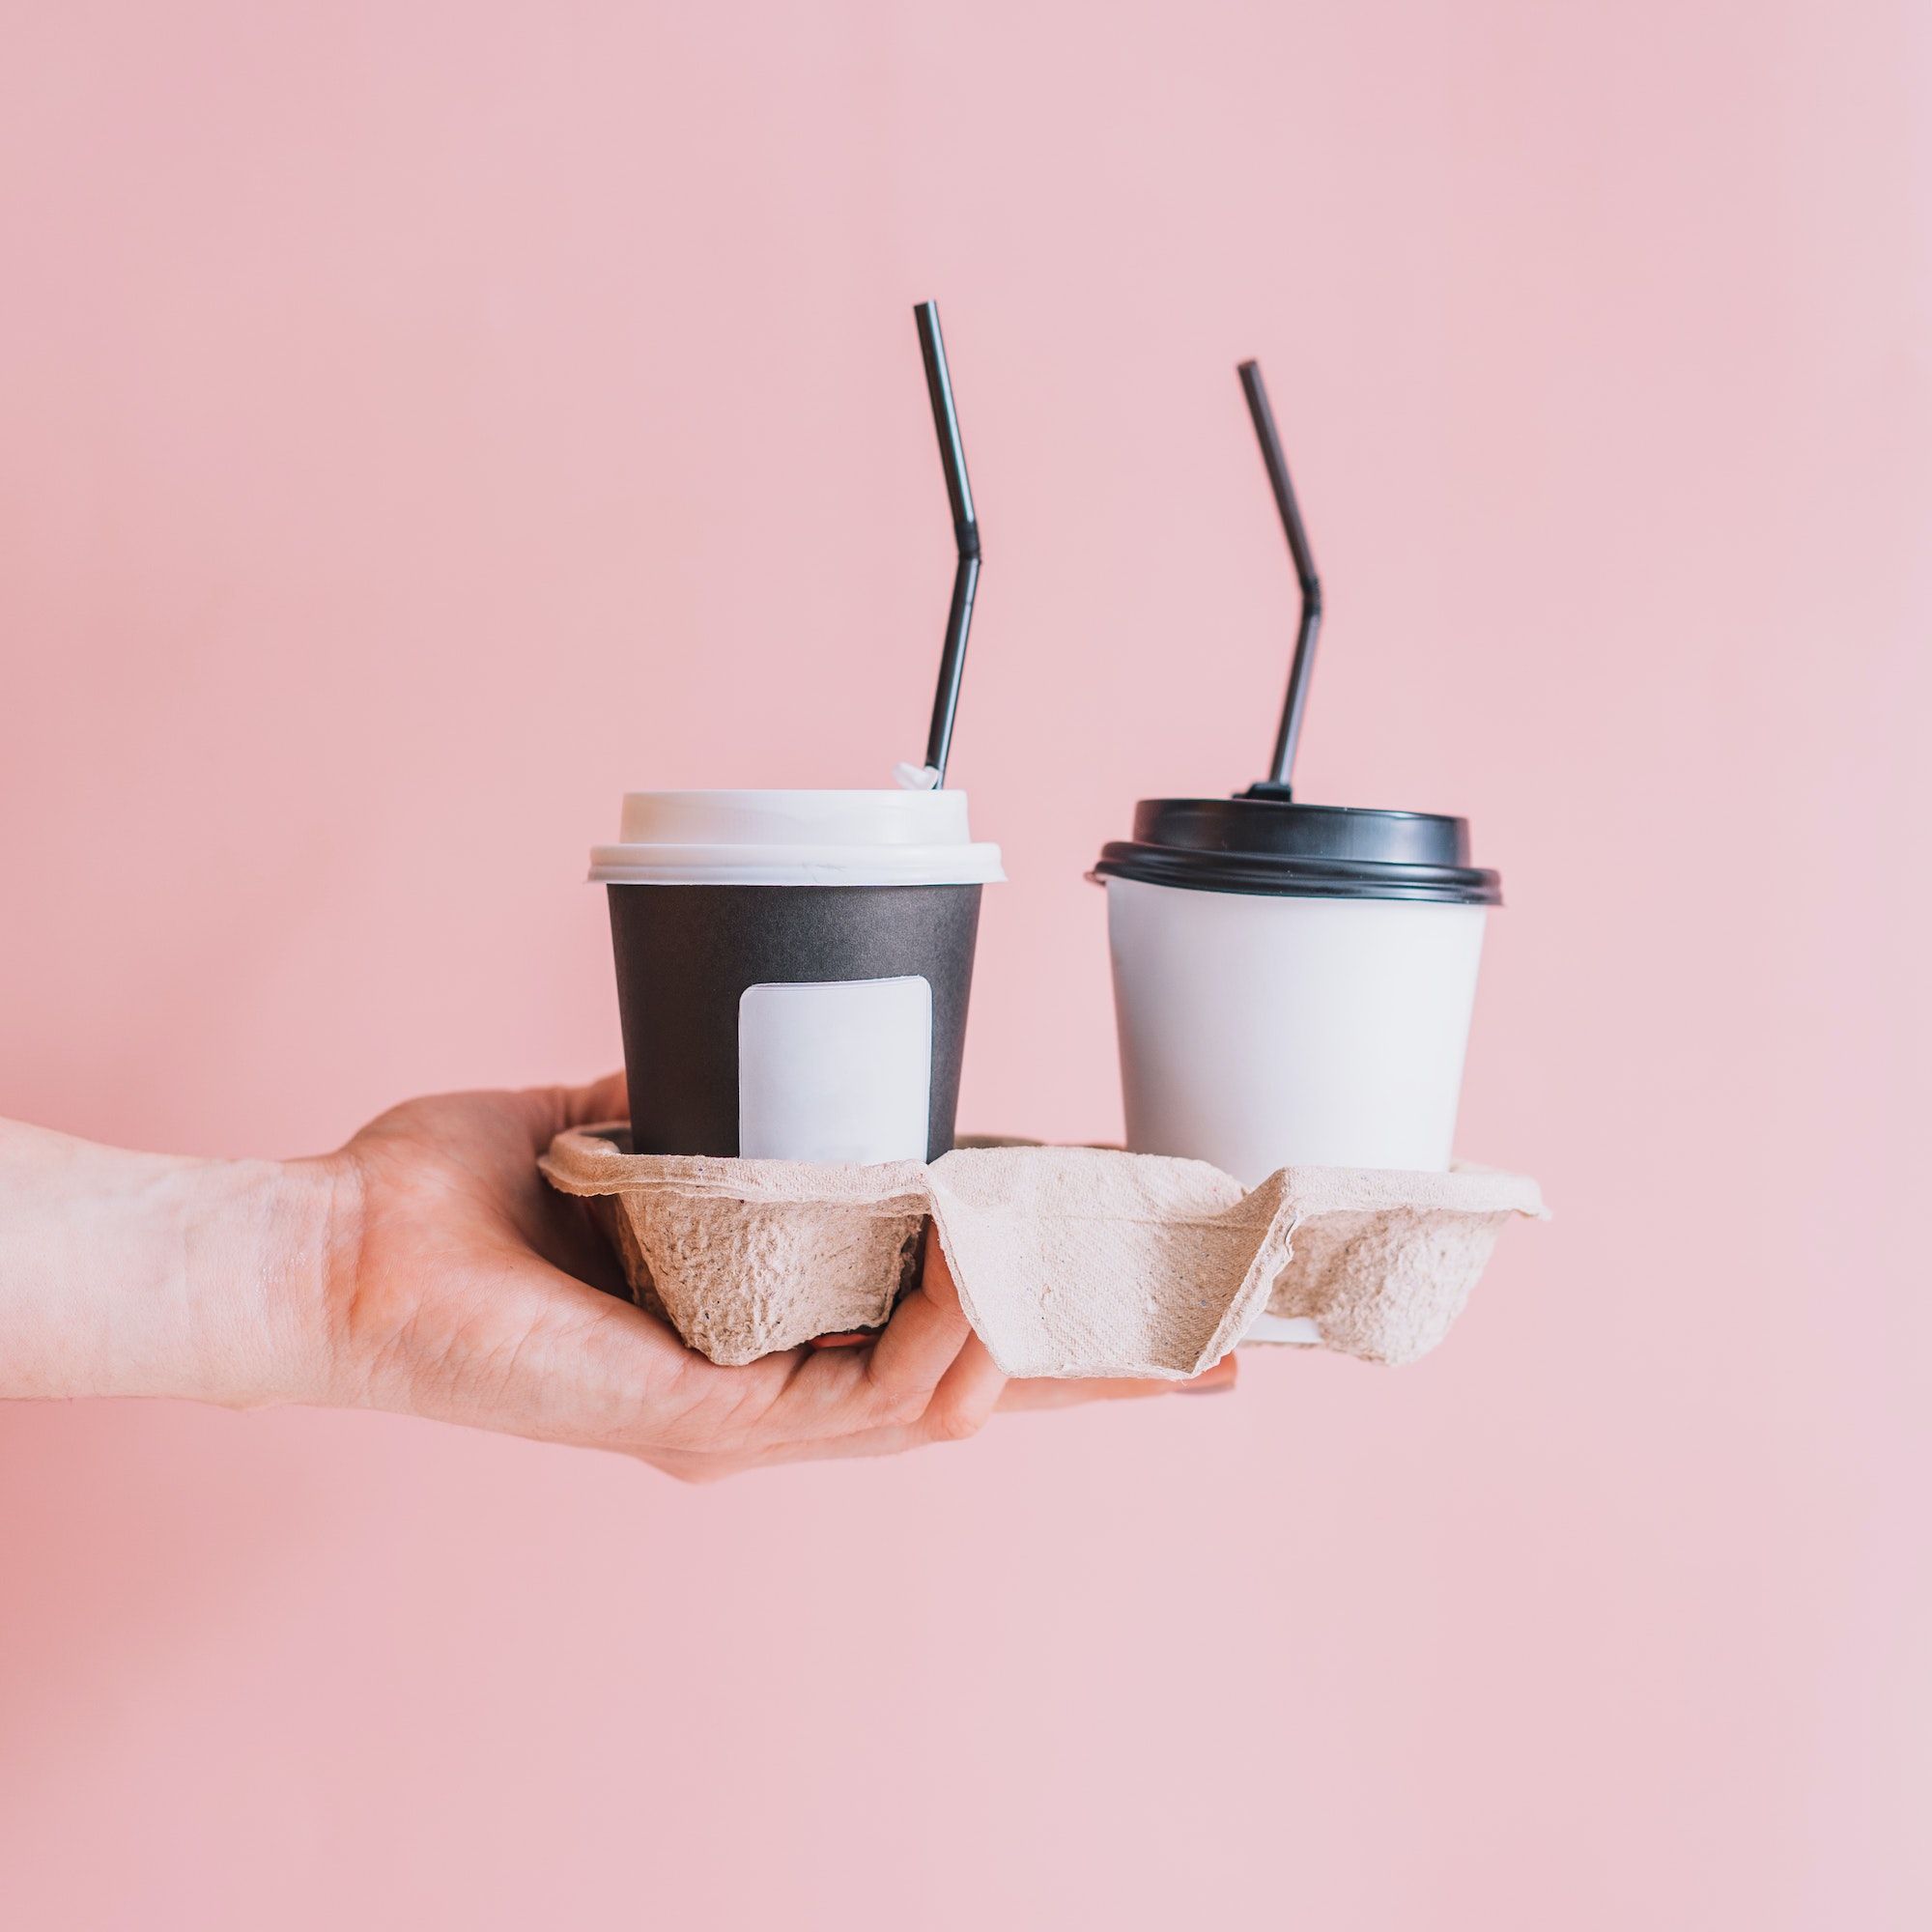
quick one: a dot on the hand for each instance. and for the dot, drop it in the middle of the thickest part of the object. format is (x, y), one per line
(462, 1286)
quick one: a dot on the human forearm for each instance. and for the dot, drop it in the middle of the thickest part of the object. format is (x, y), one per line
(143, 1274)
(426, 1267)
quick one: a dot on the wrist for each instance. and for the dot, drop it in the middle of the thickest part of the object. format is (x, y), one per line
(141, 1274)
(257, 1238)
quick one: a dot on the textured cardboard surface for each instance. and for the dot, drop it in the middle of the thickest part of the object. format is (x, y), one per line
(1070, 1261)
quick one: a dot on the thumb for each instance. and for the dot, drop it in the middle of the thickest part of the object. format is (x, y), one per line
(604, 1099)
(546, 1110)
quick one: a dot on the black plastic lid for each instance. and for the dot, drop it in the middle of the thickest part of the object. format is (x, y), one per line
(1263, 844)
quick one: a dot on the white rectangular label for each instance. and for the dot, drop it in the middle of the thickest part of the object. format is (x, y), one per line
(835, 1070)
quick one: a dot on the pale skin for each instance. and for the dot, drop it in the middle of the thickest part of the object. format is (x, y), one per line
(426, 1268)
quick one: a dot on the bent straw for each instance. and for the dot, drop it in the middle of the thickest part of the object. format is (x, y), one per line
(965, 531)
(1286, 739)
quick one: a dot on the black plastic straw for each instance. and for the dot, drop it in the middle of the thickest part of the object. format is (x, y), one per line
(1282, 770)
(965, 531)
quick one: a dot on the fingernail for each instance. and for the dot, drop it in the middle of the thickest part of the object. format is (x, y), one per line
(1217, 1380)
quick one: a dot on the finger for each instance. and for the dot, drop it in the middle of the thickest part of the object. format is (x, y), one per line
(917, 1346)
(967, 1395)
(820, 1396)
(546, 1110)
(954, 1409)
(604, 1099)
(973, 1388)
(959, 1407)
(1042, 1392)
(521, 1346)
(1010, 1398)
(886, 1390)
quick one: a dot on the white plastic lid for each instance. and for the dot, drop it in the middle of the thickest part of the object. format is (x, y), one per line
(795, 838)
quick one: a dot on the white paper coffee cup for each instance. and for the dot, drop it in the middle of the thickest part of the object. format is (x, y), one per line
(1294, 983)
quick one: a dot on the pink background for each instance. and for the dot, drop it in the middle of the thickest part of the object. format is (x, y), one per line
(425, 422)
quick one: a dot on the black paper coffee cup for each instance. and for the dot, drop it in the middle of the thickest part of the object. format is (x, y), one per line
(793, 970)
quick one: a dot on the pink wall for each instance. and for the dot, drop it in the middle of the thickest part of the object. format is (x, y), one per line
(424, 421)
